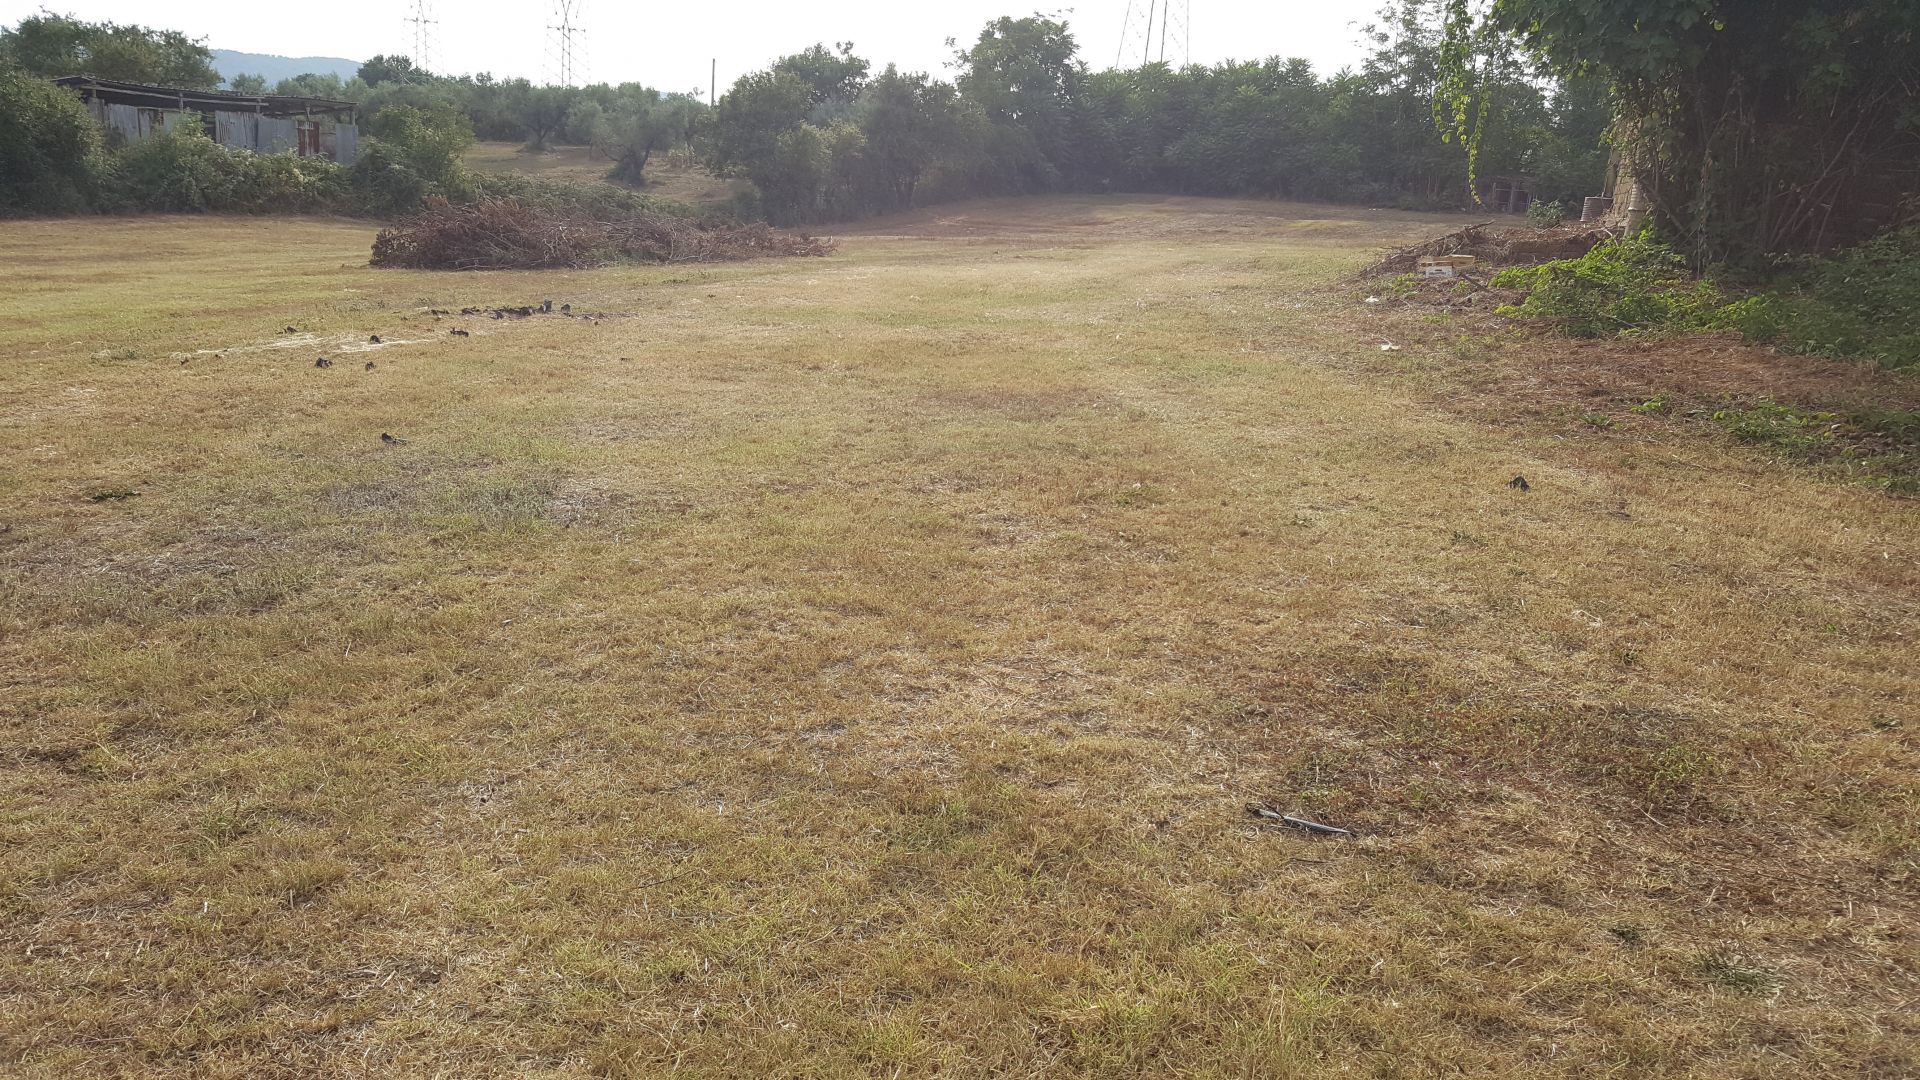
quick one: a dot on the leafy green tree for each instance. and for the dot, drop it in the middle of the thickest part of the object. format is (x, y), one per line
(640, 124)
(1246, 129)
(54, 45)
(50, 152)
(412, 153)
(1569, 152)
(1026, 115)
(1023, 73)
(325, 84)
(832, 77)
(391, 69)
(248, 84)
(909, 125)
(543, 111)
(747, 125)
(1757, 127)
(495, 107)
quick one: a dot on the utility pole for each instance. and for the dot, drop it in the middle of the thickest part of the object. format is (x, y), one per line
(423, 23)
(1137, 32)
(713, 83)
(568, 42)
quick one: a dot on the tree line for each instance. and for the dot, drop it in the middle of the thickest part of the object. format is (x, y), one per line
(1765, 127)
(822, 136)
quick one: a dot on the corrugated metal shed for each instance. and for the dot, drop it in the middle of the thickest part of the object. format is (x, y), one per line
(265, 123)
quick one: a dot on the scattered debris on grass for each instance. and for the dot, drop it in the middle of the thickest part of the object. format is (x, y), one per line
(1267, 813)
(1737, 972)
(336, 344)
(502, 234)
(112, 495)
(392, 440)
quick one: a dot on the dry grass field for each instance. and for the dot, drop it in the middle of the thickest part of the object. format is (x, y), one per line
(862, 666)
(668, 176)
(579, 163)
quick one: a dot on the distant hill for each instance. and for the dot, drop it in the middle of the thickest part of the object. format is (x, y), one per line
(230, 63)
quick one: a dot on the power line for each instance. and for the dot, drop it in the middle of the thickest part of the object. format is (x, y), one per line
(567, 42)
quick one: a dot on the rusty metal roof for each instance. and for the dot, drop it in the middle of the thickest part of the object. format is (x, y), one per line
(144, 93)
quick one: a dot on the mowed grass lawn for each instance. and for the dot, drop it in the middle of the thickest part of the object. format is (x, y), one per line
(862, 666)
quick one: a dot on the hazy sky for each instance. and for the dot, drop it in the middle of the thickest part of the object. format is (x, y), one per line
(669, 45)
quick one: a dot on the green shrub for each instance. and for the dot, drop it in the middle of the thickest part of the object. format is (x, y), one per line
(411, 154)
(1861, 302)
(385, 183)
(181, 169)
(175, 170)
(1546, 214)
(1621, 286)
(50, 148)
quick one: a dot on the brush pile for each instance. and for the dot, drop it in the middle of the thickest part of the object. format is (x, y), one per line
(503, 234)
(1495, 247)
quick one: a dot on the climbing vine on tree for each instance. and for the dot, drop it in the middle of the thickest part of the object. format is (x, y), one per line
(1461, 98)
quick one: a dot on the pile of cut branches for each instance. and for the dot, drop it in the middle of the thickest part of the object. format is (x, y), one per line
(504, 234)
(1495, 247)
(1404, 260)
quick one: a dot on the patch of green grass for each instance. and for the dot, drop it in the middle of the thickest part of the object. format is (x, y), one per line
(1782, 427)
(1399, 287)
(1879, 447)
(1630, 934)
(1736, 972)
